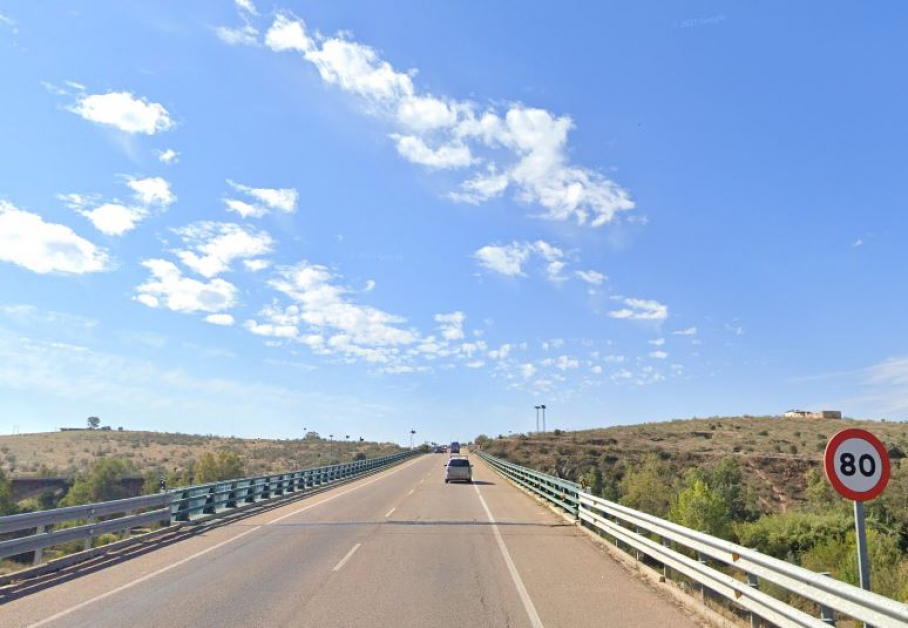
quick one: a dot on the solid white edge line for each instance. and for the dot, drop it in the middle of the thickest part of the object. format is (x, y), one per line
(183, 561)
(344, 560)
(128, 585)
(515, 576)
(388, 514)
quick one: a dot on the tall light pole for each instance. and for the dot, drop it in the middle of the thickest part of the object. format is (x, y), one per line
(537, 417)
(412, 432)
(543, 417)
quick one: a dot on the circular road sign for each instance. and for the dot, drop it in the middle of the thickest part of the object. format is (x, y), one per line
(856, 464)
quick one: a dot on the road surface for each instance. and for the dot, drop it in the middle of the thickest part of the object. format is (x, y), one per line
(399, 548)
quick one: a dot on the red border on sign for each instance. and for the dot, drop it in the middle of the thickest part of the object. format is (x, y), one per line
(829, 464)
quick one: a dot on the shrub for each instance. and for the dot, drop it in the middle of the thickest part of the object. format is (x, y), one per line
(647, 487)
(102, 482)
(224, 465)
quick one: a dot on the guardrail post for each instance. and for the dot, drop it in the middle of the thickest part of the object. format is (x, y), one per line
(827, 615)
(754, 583)
(702, 560)
(639, 532)
(666, 570)
(39, 553)
(86, 544)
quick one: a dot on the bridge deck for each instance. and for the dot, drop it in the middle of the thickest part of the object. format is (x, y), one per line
(400, 548)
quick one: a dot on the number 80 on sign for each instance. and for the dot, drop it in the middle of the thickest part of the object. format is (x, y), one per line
(857, 464)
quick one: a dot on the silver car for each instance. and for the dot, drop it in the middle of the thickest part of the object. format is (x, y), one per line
(458, 470)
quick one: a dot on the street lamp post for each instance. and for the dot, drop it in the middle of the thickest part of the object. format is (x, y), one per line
(537, 417)
(412, 432)
(543, 418)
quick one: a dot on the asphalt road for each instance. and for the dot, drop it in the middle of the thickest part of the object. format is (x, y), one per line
(400, 548)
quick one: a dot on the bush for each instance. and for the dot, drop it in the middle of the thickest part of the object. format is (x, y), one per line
(7, 504)
(647, 488)
(699, 508)
(103, 482)
(791, 534)
(218, 467)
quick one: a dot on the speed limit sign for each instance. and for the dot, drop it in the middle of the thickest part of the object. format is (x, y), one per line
(856, 464)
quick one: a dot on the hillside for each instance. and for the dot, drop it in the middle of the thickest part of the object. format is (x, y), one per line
(775, 453)
(69, 453)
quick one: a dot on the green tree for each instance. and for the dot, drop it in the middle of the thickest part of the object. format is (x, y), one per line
(727, 481)
(217, 467)
(103, 482)
(481, 441)
(648, 487)
(821, 497)
(701, 508)
(93, 422)
(593, 480)
(7, 503)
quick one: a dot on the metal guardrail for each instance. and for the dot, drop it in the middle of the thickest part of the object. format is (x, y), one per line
(193, 504)
(736, 572)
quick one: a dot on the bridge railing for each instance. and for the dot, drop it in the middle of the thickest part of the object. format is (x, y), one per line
(36, 531)
(729, 570)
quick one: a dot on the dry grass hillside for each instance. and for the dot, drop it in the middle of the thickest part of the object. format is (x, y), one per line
(775, 453)
(69, 453)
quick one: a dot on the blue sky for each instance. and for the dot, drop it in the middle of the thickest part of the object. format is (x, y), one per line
(250, 219)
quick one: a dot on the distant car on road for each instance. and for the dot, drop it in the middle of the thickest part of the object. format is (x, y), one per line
(455, 448)
(439, 450)
(458, 470)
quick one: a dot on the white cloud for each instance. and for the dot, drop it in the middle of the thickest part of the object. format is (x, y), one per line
(281, 199)
(506, 260)
(10, 22)
(476, 364)
(451, 325)
(642, 310)
(736, 329)
(213, 246)
(690, 331)
(152, 191)
(352, 330)
(168, 156)
(116, 218)
(244, 209)
(273, 331)
(858, 242)
(527, 370)
(124, 111)
(288, 34)
(414, 149)
(659, 355)
(246, 35)
(565, 362)
(247, 6)
(42, 247)
(518, 147)
(657, 342)
(591, 277)
(596, 369)
(168, 288)
(255, 265)
(220, 319)
(425, 113)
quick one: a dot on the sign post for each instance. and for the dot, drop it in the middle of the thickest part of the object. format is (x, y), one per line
(857, 465)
